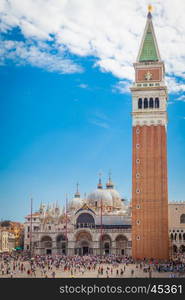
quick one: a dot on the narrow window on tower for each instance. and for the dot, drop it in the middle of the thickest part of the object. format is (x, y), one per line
(156, 102)
(151, 103)
(137, 131)
(140, 103)
(145, 103)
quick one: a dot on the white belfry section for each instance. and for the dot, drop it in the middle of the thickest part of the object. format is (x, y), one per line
(149, 116)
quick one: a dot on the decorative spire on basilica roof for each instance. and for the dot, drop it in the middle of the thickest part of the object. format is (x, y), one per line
(109, 183)
(77, 194)
(41, 207)
(99, 186)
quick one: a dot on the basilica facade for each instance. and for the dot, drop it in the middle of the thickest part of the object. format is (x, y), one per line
(100, 224)
(97, 224)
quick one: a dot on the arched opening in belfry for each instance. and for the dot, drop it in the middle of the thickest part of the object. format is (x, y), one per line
(145, 103)
(140, 103)
(151, 103)
(156, 102)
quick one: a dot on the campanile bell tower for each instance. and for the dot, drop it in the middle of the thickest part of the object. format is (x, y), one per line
(149, 153)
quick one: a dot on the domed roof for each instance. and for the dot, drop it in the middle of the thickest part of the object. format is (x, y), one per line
(76, 202)
(100, 195)
(115, 194)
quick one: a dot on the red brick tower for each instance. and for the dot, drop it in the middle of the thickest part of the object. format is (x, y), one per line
(149, 153)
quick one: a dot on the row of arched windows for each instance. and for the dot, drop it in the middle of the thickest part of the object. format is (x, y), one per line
(176, 236)
(148, 103)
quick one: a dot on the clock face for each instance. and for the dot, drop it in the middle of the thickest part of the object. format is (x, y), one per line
(154, 74)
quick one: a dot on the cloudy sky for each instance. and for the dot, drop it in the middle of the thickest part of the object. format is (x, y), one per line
(65, 71)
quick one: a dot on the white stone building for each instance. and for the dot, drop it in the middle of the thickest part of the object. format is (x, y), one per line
(99, 224)
(176, 211)
(7, 241)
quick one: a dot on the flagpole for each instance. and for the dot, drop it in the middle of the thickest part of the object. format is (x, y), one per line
(31, 208)
(101, 230)
(66, 222)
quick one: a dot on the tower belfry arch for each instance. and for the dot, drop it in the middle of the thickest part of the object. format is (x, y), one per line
(149, 152)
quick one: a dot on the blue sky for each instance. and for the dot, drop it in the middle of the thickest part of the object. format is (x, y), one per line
(66, 112)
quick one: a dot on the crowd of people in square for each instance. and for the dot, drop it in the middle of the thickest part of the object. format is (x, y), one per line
(23, 265)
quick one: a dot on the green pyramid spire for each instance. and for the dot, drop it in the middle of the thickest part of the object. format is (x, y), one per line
(149, 51)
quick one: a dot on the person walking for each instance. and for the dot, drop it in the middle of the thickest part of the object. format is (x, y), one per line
(53, 274)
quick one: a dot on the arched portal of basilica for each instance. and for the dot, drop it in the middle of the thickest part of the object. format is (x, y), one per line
(61, 243)
(105, 244)
(121, 245)
(46, 245)
(83, 243)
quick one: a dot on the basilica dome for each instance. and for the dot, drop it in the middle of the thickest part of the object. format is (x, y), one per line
(99, 195)
(77, 201)
(95, 198)
(114, 193)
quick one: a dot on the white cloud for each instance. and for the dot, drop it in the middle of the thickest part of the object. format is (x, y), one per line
(99, 123)
(181, 98)
(83, 85)
(100, 119)
(36, 55)
(174, 85)
(123, 87)
(101, 115)
(110, 30)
